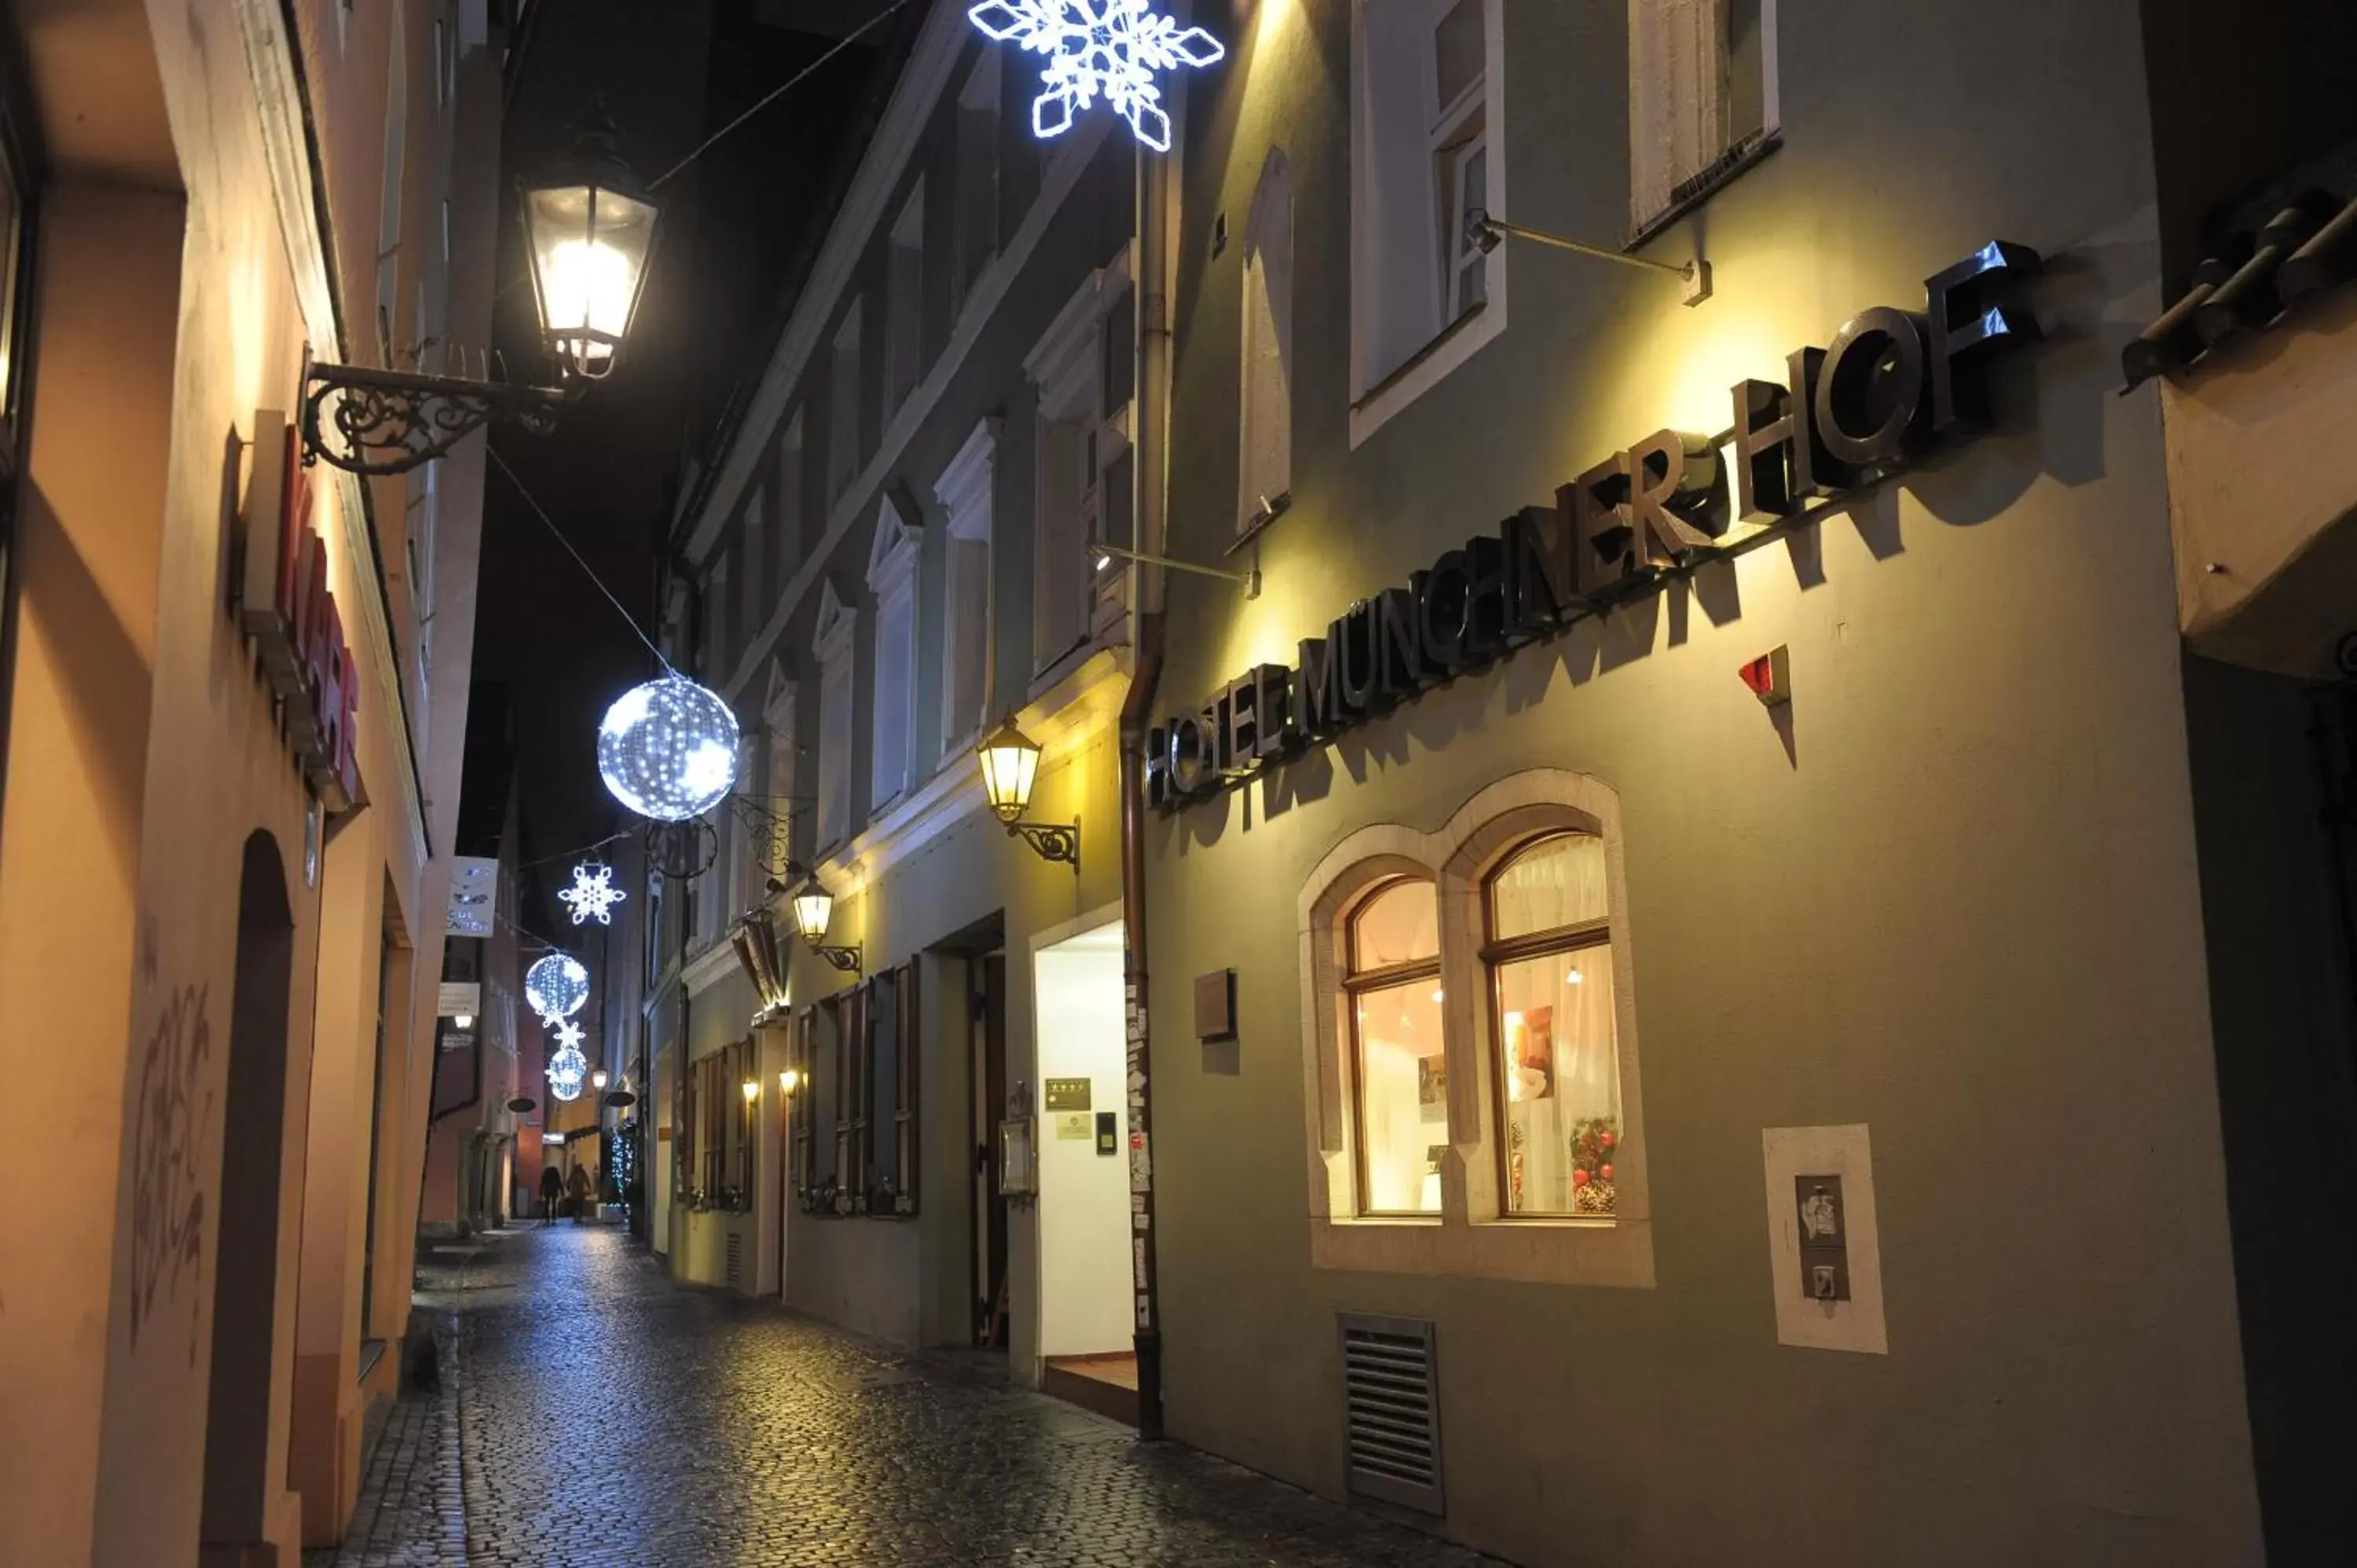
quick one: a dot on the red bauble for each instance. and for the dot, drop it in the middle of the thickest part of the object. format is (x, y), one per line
(1605, 1172)
(1606, 1138)
(1578, 1178)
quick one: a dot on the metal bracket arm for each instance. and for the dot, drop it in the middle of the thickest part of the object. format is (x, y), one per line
(1058, 843)
(389, 421)
(845, 958)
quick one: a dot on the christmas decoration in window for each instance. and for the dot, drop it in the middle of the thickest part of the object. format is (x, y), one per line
(1110, 48)
(593, 894)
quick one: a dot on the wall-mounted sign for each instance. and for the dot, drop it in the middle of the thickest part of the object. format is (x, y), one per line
(458, 999)
(474, 894)
(1074, 1127)
(287, 610)
(1863, 408)
(1068, 1093)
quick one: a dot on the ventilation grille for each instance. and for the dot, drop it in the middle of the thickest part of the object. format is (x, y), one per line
(1391, 1410)
(735, 1275)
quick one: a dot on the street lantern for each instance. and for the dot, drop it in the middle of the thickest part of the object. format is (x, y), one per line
(597, 1080)
(752, 1089)
(788, 1080)
(589, 231)
(813, 908)
(1010, 766)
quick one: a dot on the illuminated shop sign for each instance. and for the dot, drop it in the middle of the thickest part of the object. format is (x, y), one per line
(1862, 408)
(292, 618)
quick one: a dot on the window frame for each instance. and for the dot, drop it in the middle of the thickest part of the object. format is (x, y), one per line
(1652, 94)
(1377, 397)
(1472, 1235)
(967, 491)
(1357, 982)
(1496, 954)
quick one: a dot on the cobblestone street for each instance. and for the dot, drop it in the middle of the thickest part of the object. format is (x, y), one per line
(592, 1413)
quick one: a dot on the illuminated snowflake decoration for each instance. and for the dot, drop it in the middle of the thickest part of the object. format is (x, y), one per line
(593, 894)
(568, 1036)
(1110, 48)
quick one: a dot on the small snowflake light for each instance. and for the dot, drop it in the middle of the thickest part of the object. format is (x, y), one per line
(667, 749)
(593, 894)
(556, 986)
(1113, 48)
(567, 1036)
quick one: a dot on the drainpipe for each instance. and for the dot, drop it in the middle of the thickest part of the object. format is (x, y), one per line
(1156, 193)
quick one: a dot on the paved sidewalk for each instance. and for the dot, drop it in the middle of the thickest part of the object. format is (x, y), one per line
(593, 1413)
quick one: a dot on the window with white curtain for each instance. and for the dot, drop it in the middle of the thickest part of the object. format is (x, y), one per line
(964, 490)
(1265, 428)
(892, 579)
(1702, 93)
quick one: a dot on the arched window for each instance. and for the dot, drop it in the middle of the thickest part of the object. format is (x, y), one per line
(1399, 1070)
(1547, 955)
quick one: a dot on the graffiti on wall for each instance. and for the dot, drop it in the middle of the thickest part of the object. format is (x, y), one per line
(167, 1204)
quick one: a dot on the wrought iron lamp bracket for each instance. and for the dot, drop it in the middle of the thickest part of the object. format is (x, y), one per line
(845, 958)
(389, 421)
(1056, 842)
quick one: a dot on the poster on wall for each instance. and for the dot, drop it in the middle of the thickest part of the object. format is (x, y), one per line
(1431, 1088)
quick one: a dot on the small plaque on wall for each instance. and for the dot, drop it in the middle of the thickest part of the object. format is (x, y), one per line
(1068, 1094)
(1073, 1127)
(1215, 1006)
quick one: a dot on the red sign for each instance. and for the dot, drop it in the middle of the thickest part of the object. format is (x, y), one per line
(293, 619)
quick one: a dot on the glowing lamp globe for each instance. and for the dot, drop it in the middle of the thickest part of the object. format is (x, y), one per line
(813, 906)
(598, 1078)
(556, 986)
(668, 749)
(589, 231)
(1010, 763)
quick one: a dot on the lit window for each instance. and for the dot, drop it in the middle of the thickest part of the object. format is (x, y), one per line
(1399, 1063)
(1702, 93)
(1549, 959)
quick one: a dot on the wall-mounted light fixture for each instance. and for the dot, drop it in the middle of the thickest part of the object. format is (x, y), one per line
(1010, 766)
(813, 906)
(788, 1080)
(1248, 579)
(752, 1089)
(597, 1080)
(589, 231)
(463, 1021)
(1487, 233)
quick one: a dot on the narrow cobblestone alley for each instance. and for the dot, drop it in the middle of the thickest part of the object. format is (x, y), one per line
(592, 1411)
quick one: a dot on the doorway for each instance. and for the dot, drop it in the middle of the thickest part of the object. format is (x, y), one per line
(1083, 1142)
(246, 1267)
(987, 1081)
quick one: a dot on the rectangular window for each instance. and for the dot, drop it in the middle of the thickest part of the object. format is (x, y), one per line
(713, 657)
(1424, 158)
(1084, 368)
(892, 579)
(1399, 1065)
(1702, 93)
(904, 310)
(792, 544)
(1266, 458)
(852, 1105)
(396, 144)
(1549, 959)
(965, 491)
(834, 742)
(882, 1091)
(845, 427)
(755, 607)
(977, 175)
(803, 1058)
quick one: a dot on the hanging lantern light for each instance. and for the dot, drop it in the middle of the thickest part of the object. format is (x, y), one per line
(556, 986)
(667, 749)
(813, 908)
(752, 1089)
(590, 231)
(1011, 764)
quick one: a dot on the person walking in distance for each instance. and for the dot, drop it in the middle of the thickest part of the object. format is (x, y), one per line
(552, 1187)
(576, 1187)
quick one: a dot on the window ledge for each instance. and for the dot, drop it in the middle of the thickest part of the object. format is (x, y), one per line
(1604, 1253)
(1706, 184)
(1431, 365)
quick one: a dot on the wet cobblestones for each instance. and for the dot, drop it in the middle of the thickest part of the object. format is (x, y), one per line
(592, 1413)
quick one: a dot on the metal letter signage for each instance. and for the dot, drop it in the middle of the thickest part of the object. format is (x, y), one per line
(1859, 410)
(287, 610)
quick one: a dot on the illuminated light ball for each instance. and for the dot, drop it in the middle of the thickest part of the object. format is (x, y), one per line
(567, 1069)
(556, 986)
(668, 749)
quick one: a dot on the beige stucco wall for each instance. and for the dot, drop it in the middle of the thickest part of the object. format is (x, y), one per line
(170, 318)
(1952, 898)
